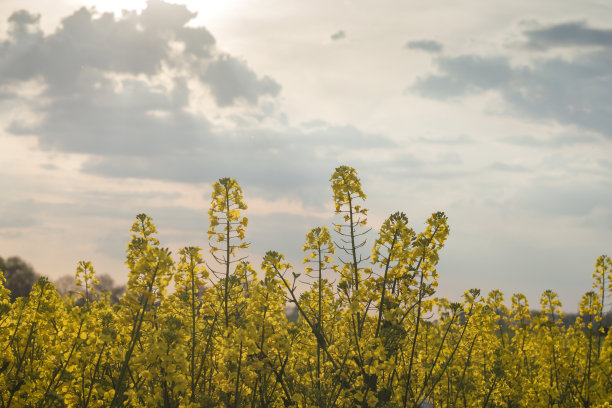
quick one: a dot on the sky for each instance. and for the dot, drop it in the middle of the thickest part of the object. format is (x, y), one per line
(497, 113)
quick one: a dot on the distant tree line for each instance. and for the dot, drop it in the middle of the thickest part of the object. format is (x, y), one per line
(20, 277)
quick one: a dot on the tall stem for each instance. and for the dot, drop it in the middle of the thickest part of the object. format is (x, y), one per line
(355, 266)
(227, 256)
(320, 324)
(384, 285)
(193, 330)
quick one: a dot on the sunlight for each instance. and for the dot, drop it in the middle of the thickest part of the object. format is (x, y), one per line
(206, 10)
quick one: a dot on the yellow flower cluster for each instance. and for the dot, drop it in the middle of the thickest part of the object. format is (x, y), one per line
(370, 331)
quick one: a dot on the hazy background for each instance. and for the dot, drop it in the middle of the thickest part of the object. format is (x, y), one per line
(497, 113)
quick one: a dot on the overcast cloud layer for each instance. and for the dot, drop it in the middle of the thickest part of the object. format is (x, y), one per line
(110, 114)
(575, 90)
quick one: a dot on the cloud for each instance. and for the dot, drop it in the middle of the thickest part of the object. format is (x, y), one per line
(505, 167)
(338, 35)
(453, 140)
(569, 34)
(160, 16)
(289, 162)
(424, 45)
(88, 45)
(12, 215)
(555, 141)
(231, 80)
(119, 90)
(137, 120)
(559, 198)
(119, 85)
(576, 91)
(463, 75)
(22, 19)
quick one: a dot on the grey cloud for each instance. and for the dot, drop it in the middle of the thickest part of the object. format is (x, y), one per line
(338, 35)
(106, 44)
(275, 174)
(123, 206)
(424, 45)
(160, 16)
(456, 140)
(313, 124)
(343, 137)
(99, 204)
(49, 166)
(570, 34)
(605, 163)
(173, 223)
(572, 92)
(230, 80)
(553, 141)
(198, 41)
(104, 121)
(482, 73)
(557, 198)
(577, 92)
(281, 163)
(505, 167)
(601, 221)
(23, 27)
(431, 174)
(7, 222)
(288, 237)
(23, 18)
(12, 215)
(131, 126)
(190, 227)
(464, 74)
(19, 55)
(164, 18)
(86, 108)
(132, 43)
(402, 165)
(82, 42)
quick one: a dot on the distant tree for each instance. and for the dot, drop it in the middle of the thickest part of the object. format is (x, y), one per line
(19, 276)
(66, 285)
(292, 314)
(107, 284)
